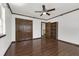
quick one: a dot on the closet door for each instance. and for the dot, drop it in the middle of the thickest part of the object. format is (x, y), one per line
(23, 29)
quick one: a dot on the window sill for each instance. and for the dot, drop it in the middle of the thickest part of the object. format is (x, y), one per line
(2, 35)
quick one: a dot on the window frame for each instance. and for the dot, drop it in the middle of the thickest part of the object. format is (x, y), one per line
(2, 18)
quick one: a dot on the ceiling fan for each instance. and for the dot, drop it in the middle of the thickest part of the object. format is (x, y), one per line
(45, 11)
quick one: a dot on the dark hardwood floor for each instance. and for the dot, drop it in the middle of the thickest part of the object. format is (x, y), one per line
(42, 47)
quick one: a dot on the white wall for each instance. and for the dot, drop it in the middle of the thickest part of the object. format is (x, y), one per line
(68, 27)
(6, 41)
(36, 26)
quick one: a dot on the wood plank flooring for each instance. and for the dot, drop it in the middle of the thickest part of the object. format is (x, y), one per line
(42, 47)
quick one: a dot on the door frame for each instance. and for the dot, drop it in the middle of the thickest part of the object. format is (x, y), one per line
(41, 28)
(31, 29)
(51, 23)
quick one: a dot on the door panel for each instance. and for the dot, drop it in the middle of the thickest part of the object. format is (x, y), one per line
(52, 30)
(48, 30)
(23, 29)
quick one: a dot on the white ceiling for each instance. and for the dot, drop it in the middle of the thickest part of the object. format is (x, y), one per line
(29, 8)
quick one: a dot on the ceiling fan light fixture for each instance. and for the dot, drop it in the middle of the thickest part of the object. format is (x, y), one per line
(44, 13)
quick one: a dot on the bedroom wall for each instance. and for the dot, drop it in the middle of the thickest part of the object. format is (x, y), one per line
(68, 27)
(6, 41)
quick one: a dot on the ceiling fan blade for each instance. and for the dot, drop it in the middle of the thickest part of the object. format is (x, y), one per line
(43, 6)
(41, 14)
(50, 9)
(47, 13)
(38, 11)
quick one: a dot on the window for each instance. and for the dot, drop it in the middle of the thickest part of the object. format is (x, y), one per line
(0, 26)
(2, 20)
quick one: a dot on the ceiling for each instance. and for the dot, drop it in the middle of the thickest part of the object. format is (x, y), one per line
(29, 9)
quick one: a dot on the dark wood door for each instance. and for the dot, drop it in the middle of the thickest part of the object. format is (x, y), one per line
(48, 30)
(23, 29)
(52, 30)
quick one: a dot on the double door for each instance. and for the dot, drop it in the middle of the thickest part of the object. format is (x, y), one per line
(23, 29)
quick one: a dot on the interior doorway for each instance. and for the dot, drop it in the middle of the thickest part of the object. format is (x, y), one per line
(23, 29)
(49, 30)
(43, 29)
